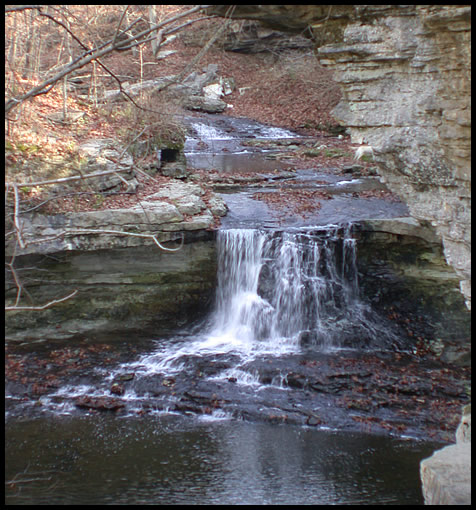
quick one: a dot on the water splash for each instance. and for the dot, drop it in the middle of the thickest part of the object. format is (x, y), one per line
(279, 293)
(208, 132)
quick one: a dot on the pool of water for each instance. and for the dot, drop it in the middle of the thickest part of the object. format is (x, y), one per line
(167, 459)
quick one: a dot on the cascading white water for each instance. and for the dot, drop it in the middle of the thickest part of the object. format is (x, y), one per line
(279, 292)
(208, 132)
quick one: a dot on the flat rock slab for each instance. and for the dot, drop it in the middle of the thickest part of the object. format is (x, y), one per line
(178, 207)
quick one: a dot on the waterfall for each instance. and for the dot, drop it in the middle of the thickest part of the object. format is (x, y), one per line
(279, 291)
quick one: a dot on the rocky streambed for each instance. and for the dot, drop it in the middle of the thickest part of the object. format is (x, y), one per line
(138, 340)
(401, 394)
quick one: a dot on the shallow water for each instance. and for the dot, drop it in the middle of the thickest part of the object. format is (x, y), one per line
(218, 143)
(177, 460)
(181, 437)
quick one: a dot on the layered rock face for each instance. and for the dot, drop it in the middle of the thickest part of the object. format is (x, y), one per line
(122, 291)
(405, 76)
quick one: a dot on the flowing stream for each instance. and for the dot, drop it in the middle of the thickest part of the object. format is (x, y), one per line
(240, 409)
(280, 294)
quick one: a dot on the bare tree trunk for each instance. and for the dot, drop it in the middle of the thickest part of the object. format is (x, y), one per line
(141, 60)
(65, 98)
(153, 21)
(93, 85)
(27, 71)
(13, 45)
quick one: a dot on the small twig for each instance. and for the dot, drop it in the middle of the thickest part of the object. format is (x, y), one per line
(17, 280)
(26, 480)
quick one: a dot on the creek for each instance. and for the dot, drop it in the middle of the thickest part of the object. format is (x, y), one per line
(291, 390)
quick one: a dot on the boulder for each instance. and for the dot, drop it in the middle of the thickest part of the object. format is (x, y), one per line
(446, 475)
(251, 37)
(195, 82)
(136, 88)
(178, 207)
(207, 104)
(103, 155)
(186, 197)
(199, 91)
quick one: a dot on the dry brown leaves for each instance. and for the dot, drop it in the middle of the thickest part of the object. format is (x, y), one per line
(300, 202)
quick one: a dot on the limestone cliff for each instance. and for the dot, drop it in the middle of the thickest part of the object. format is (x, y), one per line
(405, 73)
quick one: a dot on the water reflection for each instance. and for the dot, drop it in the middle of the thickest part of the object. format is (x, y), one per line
(177, 460)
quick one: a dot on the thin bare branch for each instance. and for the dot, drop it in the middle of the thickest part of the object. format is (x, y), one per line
(132, 234)
(17, 280)
(42, 307)
(119, 24)
(88, 57)
(66, 179)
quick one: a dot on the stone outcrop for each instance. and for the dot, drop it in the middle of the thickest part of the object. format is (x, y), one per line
(446, 475)
(192, 91)
(179, 207)
(405, 76)
(403, 272)
(124, 281)
(105, 155)
(251, 37)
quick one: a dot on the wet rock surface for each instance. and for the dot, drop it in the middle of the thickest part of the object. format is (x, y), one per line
(138, 288)
(403, 70)
(394, 393)
(276, 177)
